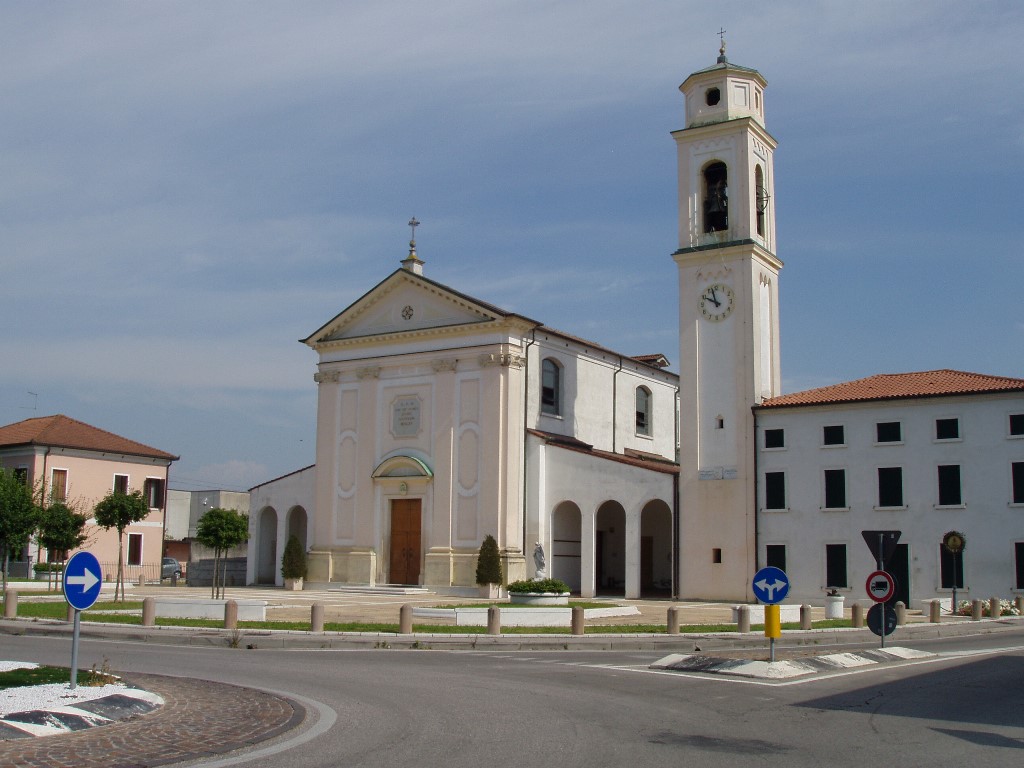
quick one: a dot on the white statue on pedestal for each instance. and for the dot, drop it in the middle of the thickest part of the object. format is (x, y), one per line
(539, 562)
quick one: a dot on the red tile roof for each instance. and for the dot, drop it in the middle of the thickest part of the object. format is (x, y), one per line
(892, 386)
(62, 432)
(649, 461)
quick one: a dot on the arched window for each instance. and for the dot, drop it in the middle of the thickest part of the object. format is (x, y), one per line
(551, 387)
(716, 198)
(760, 198)
(643, 411)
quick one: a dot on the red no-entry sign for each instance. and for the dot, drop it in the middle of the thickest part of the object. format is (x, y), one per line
(880, 586)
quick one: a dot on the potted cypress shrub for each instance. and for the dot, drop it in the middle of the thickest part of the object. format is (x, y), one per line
(293, 564)
(488, 569)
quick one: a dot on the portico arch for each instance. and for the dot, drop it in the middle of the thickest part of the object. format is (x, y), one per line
(566, 550)
(266, 548)
(656, 549)
(610, 548)
(296, 525)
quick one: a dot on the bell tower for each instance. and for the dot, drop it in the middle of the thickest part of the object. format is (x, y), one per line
(728, 322)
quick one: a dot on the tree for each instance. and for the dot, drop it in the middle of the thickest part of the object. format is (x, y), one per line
(488, 563)
(221, 529)
(19, 516)
(293, 562)
(61, 528)
(118, 510)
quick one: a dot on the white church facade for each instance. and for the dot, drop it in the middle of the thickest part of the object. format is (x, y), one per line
(443, 418)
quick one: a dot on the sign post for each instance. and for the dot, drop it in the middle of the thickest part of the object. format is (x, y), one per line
(771, 585)
(955, 543)
(82, 581)
(881, 586)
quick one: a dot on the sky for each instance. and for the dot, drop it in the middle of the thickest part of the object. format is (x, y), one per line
(188, 188)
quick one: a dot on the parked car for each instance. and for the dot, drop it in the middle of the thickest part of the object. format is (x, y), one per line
(170, 567)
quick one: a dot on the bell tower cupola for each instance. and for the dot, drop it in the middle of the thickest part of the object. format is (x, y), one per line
(726, 176)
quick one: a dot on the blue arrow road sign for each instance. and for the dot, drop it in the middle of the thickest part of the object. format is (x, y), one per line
(82, 580)
(771, 585)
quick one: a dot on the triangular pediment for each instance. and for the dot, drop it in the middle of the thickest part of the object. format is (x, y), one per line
(405, 303)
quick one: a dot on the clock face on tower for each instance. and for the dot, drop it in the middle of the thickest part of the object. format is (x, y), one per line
(716, 302)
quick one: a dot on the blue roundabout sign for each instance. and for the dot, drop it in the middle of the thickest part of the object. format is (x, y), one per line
(82, 580)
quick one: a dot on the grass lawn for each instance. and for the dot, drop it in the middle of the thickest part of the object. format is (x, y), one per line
(18, 678)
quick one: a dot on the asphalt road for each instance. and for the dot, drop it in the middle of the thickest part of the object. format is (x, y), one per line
(436, 708)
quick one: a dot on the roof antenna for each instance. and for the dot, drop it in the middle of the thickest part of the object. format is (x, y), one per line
(35, 403)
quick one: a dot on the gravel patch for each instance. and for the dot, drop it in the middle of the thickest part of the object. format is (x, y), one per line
(54, 696)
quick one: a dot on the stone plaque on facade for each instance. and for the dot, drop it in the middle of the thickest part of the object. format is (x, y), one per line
(405, 417)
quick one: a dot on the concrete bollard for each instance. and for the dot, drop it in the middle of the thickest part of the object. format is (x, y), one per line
(673, 620)
(975, 610)
(405, 620)
(579, 621)
(901, 613)
(743, 619)
(994, 609)
(230, 615)
(1020, 605)
(11, 604)
(493, 620)
(142, 580)
(935, 611)
(174, 579)
(805, 616)
(316, 617)
(71, 614)
(857, 616)
(149, 612)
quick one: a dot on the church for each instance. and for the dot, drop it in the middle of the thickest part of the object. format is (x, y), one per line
(443, 418)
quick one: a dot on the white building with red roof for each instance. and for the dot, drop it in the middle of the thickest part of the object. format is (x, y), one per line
(923, 453)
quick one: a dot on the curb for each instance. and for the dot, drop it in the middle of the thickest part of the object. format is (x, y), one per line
(280, 638)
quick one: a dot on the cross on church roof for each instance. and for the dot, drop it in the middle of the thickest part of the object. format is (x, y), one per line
(721, 50)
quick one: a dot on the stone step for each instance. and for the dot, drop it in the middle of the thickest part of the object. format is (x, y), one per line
(381, 589)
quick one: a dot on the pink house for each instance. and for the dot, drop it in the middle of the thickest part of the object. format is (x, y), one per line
(80, 464)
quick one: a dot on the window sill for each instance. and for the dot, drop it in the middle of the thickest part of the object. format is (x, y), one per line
(889, 442)
(773, 509)
(949, 506)
(833, 445)
(834, 509)
(773, 450)
(948, 440)
(903, 508)
(643, 436)
(1015, 437)
(556, 416)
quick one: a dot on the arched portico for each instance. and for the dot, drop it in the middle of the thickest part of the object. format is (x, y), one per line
(610, 549)
(266, 547)
(296, 525)
(655, 560)
(566, 565)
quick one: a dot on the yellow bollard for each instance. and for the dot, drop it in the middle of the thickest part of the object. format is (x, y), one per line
(772, 621)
